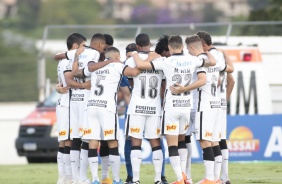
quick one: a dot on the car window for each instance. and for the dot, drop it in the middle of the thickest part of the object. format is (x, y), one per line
(51, 100)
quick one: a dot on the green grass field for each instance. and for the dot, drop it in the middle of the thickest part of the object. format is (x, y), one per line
(240, 173)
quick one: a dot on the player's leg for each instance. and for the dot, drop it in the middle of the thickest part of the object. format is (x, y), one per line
(204, 127)
(216, 136)
(224, 149)
(110, 133)
(135, 128)
(127, 150)
(163, 177)
(93, 135)
(104, 156)
(191, 129)
(75, 114)
(63, 129)
(171, 131)
(183, 128)
(83, 163)
(152, 133)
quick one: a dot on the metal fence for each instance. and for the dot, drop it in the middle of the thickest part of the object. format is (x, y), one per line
(226, 31)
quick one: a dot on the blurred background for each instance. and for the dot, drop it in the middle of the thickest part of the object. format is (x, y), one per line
(32, 31)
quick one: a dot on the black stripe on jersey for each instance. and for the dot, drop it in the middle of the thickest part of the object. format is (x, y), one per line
(127, 125)
(164, 100)
(66, 54)
(115, 97)
(124, 69)
(116, 126)
(153, 67)
(202, 54)
(212, 48)
(177, 54)
(203, 63)
(224, 68)
(199, 100)
(201, 123)
(163, 123)
(83, 72)
(201, 72)
(67, 71)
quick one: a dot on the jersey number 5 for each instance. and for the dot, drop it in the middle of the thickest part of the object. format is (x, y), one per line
(100, 88)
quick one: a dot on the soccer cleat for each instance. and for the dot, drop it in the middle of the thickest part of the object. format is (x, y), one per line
(128, 180)
(84, 182)
(178, 182)
(226, 182)
(188, 181)
(135, 182)
(164, 180)
(206, 181)
(117, 182)
(158, 182)
(107, 181)
(96, 182)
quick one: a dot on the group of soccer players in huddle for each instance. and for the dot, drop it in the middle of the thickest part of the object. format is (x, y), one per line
(168, 93)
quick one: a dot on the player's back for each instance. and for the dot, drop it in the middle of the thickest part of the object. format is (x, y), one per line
(104, 86)
(145, 98)
(179, 69)
(208, 95)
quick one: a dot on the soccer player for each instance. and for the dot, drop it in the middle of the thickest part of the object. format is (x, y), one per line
(178, 70)
(207, 126)
(224, 90)
(144, 112)
(62, 110)
(102, 112)
(104, 148)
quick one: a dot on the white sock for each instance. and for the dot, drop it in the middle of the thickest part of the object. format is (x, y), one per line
(83, 165)
(61, 165)
(209, 166)
(157, 157)
(224, 165)
(93, 164)
(136, 159)
(105, 167)
(175, 163)
(188, 163)
(183, 158)
(74, 156)
(217, 166)
(67, 163)
(115, 164)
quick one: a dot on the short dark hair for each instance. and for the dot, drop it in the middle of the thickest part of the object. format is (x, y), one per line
(206, 37)
(75, 38)
(131, 47)
(142, 40)
(192, 39)
(109, 39)
(98, 36)
(162, 44)
(175, 42)
(111, 50)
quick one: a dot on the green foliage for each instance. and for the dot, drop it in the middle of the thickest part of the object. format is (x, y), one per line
(70, 12)
(18, 74)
